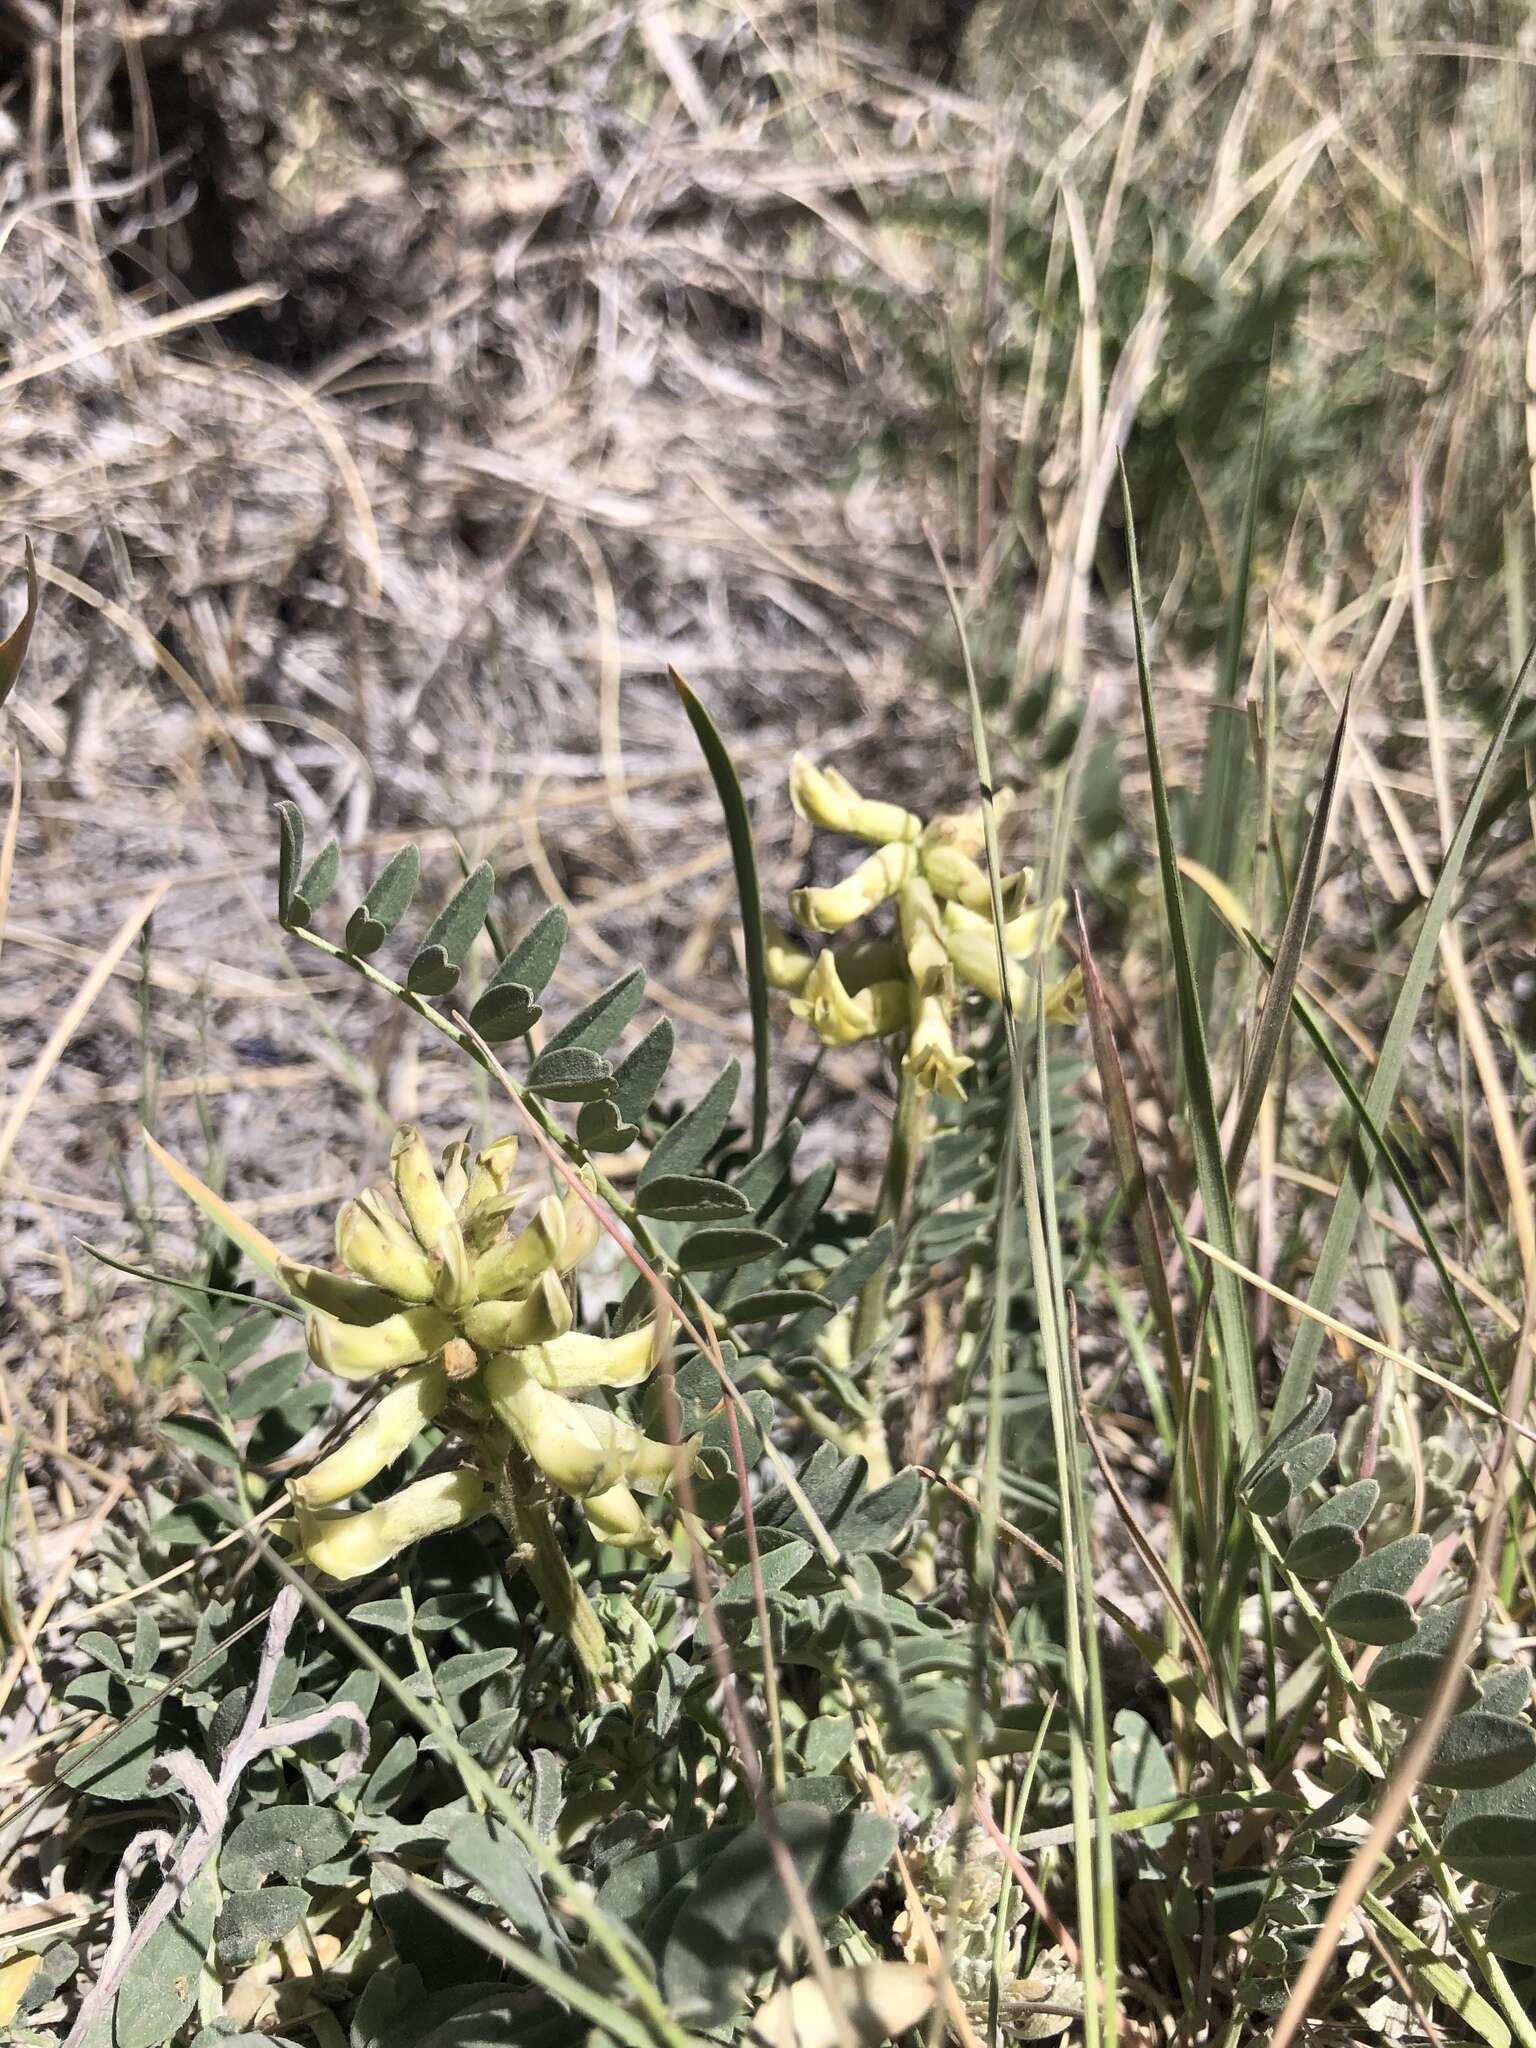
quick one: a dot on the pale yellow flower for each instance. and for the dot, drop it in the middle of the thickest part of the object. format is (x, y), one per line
(839, 1018)
(873, 882)
(824, 797)
(931, 1058)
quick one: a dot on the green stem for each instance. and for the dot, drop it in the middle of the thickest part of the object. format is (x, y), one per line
(523, 1511)
(900, 1163)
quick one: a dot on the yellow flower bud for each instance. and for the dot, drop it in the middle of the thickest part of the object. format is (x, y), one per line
(378, 1248)
(492, 1175)
(973, 949)
(453, 1278)
(545, 1311)
(576, 1361)
(338, 1294)
(824, 797)
(456, 1173)
(427, 1209)
(356, 1351)
(839, 1018)
(351, 1546)
(927, 960)
(786, 965)
(931, 1058)
(583, 1450)
(955, 875)
(564, 1439)
(377, 1440)
(583, 1229)
(871, 883)
(1064, 998)
(512, 1265)
(615, 1516)
(1027, 933)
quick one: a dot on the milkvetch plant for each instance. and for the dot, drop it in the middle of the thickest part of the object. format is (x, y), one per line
(908, 987)
(470, 1319)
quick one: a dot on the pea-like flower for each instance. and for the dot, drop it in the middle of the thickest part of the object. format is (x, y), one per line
(469, 1319)
(942, 896)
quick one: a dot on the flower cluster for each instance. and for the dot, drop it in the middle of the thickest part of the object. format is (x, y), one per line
(474, 1321)
(881, 988)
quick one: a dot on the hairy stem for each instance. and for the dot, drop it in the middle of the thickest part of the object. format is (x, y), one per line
(523, 1511)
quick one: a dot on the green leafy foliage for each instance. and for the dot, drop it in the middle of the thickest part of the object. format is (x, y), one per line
(385, 904)
(435, 968)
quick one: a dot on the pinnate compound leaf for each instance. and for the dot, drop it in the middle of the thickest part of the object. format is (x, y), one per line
(1329, 1540)
(1506, 1689)
(1405, 1675)
(505, 1011)
(1369, 1602)
(1142, 1772)
(160, 1986)
(452, 932)
(684, 1148)
(1289, 1477)
(491, 1856)
(385, 904)
(536, 955)
(688, 1198)
(599, 1024)
(1511, 1930)
(776, 1567)
(1490, 1835)
(1480, 1749)
(735, 1919)
(281, 1842)
(570, 1074)
(639, 1074)
(773, 1304)
(718, 1248)
(247, 1919)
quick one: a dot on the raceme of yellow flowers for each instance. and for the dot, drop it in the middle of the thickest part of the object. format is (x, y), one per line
(473, 1322)
(909, 985)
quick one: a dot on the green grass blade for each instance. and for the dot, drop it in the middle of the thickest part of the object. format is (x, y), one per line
(1130, 1166)
(1301, 1367)
(738, 825)
(1224, 778)
(1287, 961)
(1087, 1829)
(1234, 1335)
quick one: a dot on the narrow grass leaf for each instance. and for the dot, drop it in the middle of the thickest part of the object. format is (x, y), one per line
(1231, 1319)
(256, 1245)
(1224, 779)
(738, 825)
(1129, 1165)
(1293, 937)
(1301, 1367)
